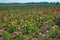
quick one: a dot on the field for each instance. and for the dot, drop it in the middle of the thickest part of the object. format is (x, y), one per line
(30, 22)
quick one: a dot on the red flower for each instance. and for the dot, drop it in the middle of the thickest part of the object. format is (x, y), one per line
(9, 22)
(45, 30)
(0, 22)
(58, 24)
(30, 38)
(48, 24)
(5, 29)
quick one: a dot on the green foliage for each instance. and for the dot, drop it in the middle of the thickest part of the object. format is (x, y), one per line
(50, 18)
(11, 28)
(29, 22)
(57, 21)
(52, 34)
(6, 36)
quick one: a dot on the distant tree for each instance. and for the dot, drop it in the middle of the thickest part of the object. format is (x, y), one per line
(57, 2)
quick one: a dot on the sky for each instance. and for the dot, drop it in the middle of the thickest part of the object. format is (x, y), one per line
(25, 1)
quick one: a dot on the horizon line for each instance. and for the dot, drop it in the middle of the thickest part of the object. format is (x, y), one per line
(26, 2)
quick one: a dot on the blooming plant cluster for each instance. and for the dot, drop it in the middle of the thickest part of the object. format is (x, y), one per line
(30, 24)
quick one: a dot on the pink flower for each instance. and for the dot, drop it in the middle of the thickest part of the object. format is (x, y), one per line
(20, 32)
(15, 33)
(1, 30)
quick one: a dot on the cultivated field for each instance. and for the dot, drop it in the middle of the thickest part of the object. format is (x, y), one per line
(38, 22)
